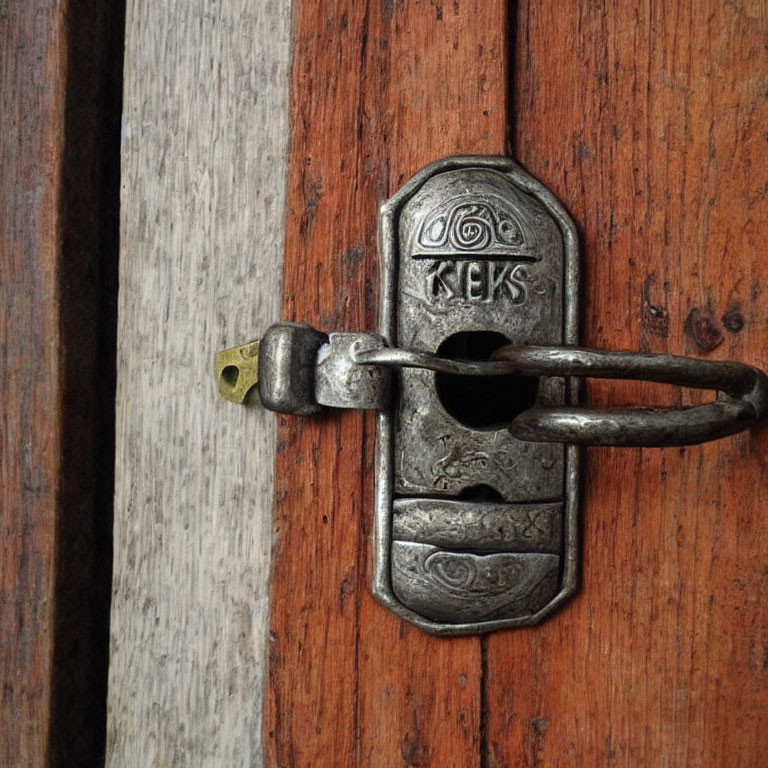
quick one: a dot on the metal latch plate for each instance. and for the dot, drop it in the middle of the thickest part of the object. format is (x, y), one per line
(475, 530)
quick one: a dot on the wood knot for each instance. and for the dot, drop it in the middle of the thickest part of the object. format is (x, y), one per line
(703, 329)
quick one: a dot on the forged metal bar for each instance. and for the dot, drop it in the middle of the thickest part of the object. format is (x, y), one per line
(742, 393)
(742, 398)
(634, 426)
(412, 358)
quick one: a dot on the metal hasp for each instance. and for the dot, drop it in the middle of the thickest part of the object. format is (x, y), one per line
(475, 378)
(475, 530)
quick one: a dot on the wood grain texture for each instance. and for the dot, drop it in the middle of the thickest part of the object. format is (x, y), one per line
(57, 259)
(30, 457)
(649, 121)
(379, 90)
(203, 207)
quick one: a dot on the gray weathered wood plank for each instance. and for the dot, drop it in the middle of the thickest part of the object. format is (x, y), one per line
(203, 199)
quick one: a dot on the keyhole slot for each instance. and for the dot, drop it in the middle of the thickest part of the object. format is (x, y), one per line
(482, 402)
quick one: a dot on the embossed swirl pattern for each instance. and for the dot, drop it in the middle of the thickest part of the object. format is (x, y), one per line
(470, 227)
(469, 230)
(462, 572)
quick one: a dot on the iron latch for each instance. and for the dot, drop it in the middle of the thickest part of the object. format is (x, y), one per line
(475, 375)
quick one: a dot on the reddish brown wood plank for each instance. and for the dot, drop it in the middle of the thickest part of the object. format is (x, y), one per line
(57, 255)
(379, 90)
(32, 114)
(649, 121)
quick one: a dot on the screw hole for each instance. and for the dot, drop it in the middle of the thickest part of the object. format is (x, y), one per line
(230, 374)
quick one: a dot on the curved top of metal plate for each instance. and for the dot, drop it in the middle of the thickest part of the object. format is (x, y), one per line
(507, 168)
(489, 217)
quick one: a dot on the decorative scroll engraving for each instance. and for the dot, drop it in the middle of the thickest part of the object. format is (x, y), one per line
(462, 586)
(463, 463)
(454, 572)
(471, 242)
(471, 228)
(460, 463)
(474, 525)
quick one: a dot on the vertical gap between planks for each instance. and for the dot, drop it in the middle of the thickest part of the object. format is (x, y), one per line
(510, 109)
(511, 105)
(88, 208)
(484, 756)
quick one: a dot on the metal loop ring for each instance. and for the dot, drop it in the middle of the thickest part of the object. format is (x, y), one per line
(742, 393)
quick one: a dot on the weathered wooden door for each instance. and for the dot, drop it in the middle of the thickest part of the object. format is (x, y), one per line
(244, 631)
